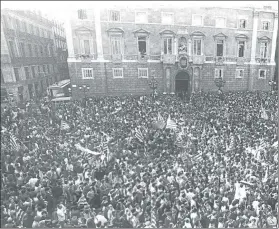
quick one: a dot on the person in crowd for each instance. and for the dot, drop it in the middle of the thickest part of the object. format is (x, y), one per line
(222, 174)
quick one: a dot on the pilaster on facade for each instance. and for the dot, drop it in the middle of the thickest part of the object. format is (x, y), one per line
(254, 37)
(98, 35)
(274, 38)
(69, 35)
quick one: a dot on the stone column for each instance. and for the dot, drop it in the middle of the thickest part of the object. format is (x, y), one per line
(274, 39)
(254, 36)
(98, 34)
(69, 38)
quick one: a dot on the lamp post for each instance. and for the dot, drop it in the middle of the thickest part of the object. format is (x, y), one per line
(153, 85)
(219, 82)
(272, 84)
(70, 91)
(84, 88)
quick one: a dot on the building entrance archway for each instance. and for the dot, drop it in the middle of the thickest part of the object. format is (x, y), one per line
(182, 84)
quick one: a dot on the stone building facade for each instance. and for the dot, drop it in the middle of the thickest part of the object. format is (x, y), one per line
(118, 50)
(28, 59)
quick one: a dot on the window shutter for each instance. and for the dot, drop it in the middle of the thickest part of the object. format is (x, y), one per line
(82, 51)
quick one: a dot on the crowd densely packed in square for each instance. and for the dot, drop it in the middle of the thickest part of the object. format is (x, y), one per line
(135, 162)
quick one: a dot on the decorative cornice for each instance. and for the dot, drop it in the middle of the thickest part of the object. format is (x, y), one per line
(241, 37)
(220, 35)
(264, 38)
(115, 30)
(197, 34)
(167, 32)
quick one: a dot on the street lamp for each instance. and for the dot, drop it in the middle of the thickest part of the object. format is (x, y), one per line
(70, 91)
(219, 82)
(272, 84)
(153, 85)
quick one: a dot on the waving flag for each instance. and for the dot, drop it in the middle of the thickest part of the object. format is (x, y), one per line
(263, 113)
(196, 158)
(64, 125)
(160, 123)
(13, 143)
(171, 124)
(139, 135)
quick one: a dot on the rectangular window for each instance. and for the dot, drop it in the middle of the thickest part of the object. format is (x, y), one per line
(17, 24)
(82, 14)
(48, 69)
(265, 25)
(31, 28)
(197, 20)
(30, 50)
(263, 49)
(218, 73)
(39, 70)
(197, 47)
(46, 51)
(220, 47)
(16, 72)
(116, 45)
(262, 73)
(44, 68)
(141, 17)
(87, 73)
(36, 51)
(239, 73)
(115, 16)
(220, 22)
(33, 71)
(37, 31)
(12, 48)
(51, 50)
(86, 47)
(24, 26)
(22, 49)
(168, 45)
(142, 45)
(27, 73)
(241, 48)
(242, 23)
(41, 51)
(117, 73)
(167, 18)
(143, 72)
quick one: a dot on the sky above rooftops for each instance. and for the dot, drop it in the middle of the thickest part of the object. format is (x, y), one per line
(59, 9)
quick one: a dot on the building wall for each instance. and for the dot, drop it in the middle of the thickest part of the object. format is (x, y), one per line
(104, 83)
(20, 27)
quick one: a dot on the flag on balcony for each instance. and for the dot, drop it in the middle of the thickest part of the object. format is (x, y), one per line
(13, 143)
(171, 124)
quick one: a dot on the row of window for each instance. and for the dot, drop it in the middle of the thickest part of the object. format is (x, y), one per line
(168, 19)
(34, 71)
(23, 26)
(29, 50)
(219, 72)
(168, 46)
(87, 73)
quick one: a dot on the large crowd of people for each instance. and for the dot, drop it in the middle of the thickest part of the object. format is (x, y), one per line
(221, 174)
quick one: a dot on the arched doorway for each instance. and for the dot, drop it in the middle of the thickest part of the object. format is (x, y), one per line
(182, 83)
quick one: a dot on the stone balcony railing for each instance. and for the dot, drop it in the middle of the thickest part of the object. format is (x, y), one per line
(262, 61)
(198, 59)
(86, 57)
(168, 58)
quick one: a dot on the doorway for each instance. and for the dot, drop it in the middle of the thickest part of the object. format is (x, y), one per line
(182, 84)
